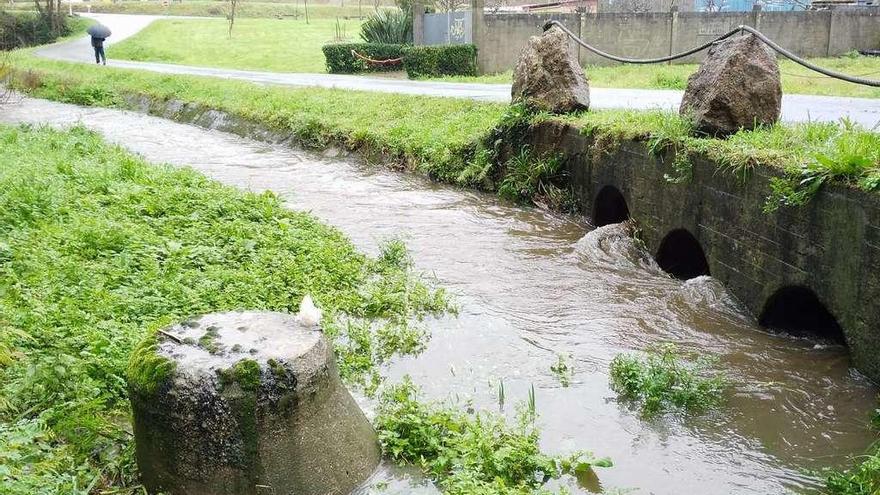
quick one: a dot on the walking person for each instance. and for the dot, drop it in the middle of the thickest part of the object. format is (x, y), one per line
(99, 33)
(98, 45)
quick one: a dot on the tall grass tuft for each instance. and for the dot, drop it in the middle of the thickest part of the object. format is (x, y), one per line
(388, 26)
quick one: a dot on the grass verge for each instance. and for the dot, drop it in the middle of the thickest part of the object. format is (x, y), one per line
(99, 246)
(259, 44)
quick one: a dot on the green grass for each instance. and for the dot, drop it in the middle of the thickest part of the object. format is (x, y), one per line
(99, 247)
(433, 135)
(663, 380)
(456, 140)
(795, 78)
(259, 44)
(203, 8)
(470, 453)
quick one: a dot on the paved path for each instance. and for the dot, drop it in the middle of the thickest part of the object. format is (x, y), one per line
(795, 108)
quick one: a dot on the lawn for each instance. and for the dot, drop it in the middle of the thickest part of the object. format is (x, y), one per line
(208, 8)
(796, 79)
(260, 44)
(294, 46)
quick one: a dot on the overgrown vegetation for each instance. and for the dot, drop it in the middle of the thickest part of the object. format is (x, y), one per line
(663, 380)
(441, 60)
(98, 248)
(392, 26)
(470, 454)
(28, 29)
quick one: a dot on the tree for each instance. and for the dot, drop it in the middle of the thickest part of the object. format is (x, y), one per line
(451, 5)
(50, 11)
(231, 16)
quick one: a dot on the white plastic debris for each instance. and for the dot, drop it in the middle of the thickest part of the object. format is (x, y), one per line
(309, 314)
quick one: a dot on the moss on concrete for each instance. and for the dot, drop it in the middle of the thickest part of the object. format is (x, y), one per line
(147, 370)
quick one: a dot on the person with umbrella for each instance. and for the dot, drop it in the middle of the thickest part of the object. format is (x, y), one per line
(99, 33)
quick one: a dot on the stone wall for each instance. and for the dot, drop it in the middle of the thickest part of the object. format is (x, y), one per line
(831, 246)
(501, 37)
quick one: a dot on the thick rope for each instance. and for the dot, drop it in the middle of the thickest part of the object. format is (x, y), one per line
(739, 29)
(390, 61)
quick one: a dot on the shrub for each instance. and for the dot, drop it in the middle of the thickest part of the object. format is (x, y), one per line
(340, 60)
(443, 60)
(25, 29)
(388, 26)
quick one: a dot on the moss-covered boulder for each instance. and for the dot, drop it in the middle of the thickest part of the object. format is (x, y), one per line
(245, 403)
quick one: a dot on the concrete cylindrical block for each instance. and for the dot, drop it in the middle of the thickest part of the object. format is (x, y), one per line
(246, 403)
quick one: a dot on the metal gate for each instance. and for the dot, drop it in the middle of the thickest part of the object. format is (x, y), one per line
(451, 28)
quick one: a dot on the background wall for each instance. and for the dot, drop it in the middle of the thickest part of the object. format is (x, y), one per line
(501, 37)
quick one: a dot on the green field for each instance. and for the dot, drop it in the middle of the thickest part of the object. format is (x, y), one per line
(208, 8)
(259, 44)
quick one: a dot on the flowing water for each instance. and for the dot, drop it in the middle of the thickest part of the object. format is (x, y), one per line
(533, 284)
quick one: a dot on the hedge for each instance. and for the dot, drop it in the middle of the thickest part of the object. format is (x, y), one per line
(440, 60)
(341, 61)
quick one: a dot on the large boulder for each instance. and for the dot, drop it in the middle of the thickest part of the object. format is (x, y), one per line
(737, 86)
(246, 403)
(548, 75)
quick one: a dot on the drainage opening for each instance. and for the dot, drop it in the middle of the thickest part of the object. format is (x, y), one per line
(610, 207)
(797, 311)
(681, 256)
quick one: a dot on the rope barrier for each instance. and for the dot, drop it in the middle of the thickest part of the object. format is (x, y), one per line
(739, 29)
(389, 61)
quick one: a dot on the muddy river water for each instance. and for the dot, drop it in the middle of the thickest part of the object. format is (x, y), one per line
(533, 284)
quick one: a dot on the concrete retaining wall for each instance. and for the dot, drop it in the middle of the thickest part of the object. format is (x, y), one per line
(501, 37)
(830, 246)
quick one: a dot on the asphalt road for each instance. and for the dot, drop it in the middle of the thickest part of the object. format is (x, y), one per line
(795, 108)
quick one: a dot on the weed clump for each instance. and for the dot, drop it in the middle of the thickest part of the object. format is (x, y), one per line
(469, 453)
(662, 380)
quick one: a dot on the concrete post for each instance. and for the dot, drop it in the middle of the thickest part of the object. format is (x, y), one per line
(673, 28)
(478, 33)
(246, 403)
(756, 15)
(418, 15)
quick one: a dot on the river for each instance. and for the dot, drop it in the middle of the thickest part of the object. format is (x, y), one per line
(533, 284)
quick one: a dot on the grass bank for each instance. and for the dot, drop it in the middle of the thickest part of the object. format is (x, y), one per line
(98, 246)
(457, 140)
(796, 79)
(260, 44)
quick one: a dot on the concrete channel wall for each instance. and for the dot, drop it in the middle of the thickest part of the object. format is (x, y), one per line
(825, 254)
(501, 37)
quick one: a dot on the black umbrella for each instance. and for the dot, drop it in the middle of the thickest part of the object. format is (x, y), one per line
(99, 31)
